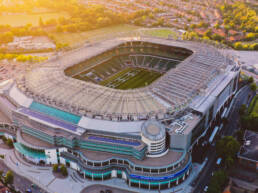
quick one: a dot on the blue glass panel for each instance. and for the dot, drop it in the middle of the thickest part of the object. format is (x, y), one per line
(55, 113)
(48, 119)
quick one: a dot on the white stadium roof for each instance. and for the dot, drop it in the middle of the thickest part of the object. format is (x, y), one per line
(173, 92)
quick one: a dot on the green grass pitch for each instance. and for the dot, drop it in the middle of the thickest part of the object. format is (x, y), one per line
(131, 78)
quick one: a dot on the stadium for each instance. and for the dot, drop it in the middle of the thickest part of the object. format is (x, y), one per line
(142, 102)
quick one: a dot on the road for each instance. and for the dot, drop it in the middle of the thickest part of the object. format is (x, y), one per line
(229, 129)
(20, 182)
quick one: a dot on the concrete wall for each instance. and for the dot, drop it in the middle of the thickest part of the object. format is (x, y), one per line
(51, 156)
(180, 141)
(4, 108)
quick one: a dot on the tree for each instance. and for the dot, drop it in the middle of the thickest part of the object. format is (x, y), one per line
(41, 23)
(64, 170)
(253, 87)
(9, 142)
(208, 33)
(240, 134)
(51, 22)
(216, 26)
(217, 182)
(250, 36)
(229, 162)
(59, 28)
(214, 187)
(9, 177)
(227, 147)
(253, 46)
(242, 109)
(250, 79)
(6, 37)
(4, 139)
(55, 168)
(220, 176)
(217, 37)
(238, 46)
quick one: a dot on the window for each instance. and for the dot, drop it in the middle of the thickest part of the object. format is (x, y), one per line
(90, 163)
(146, 169)
(104, 163)
(113, 161)
(154, 170)
(97, 164)
(162, 170)
(120, 161)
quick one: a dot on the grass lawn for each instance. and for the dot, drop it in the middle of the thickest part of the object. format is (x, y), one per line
(162, 33)
(141, 78)
(75, 39)
(23, 19)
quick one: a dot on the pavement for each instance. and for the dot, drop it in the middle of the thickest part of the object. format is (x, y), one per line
(246, 58)
(4, 118)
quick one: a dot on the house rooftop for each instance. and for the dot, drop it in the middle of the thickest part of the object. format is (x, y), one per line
(249, 150)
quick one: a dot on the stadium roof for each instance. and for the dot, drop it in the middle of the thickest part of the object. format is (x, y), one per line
(169, 94)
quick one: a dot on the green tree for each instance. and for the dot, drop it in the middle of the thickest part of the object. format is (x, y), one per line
(41, 23)
(216, 26)
(64, 170)
(250, 79)
(250, 36)
(9, 142)
(6, 37)
(4, 139)
(55, 168)
(217, 182)
(238, 46)
(240, 134)
(217, 37)
(227, 147)
(208, 33)
(214, 187)
(253, 87)
(9, 177)
(229, 162)
(254, 46)
(51, 22)
(242, 109)
(59, 28)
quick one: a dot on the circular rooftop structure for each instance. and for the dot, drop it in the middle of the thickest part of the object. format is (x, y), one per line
(153, 130)
(154, 136)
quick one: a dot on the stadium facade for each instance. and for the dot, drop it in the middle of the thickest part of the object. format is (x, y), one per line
(62, 114)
